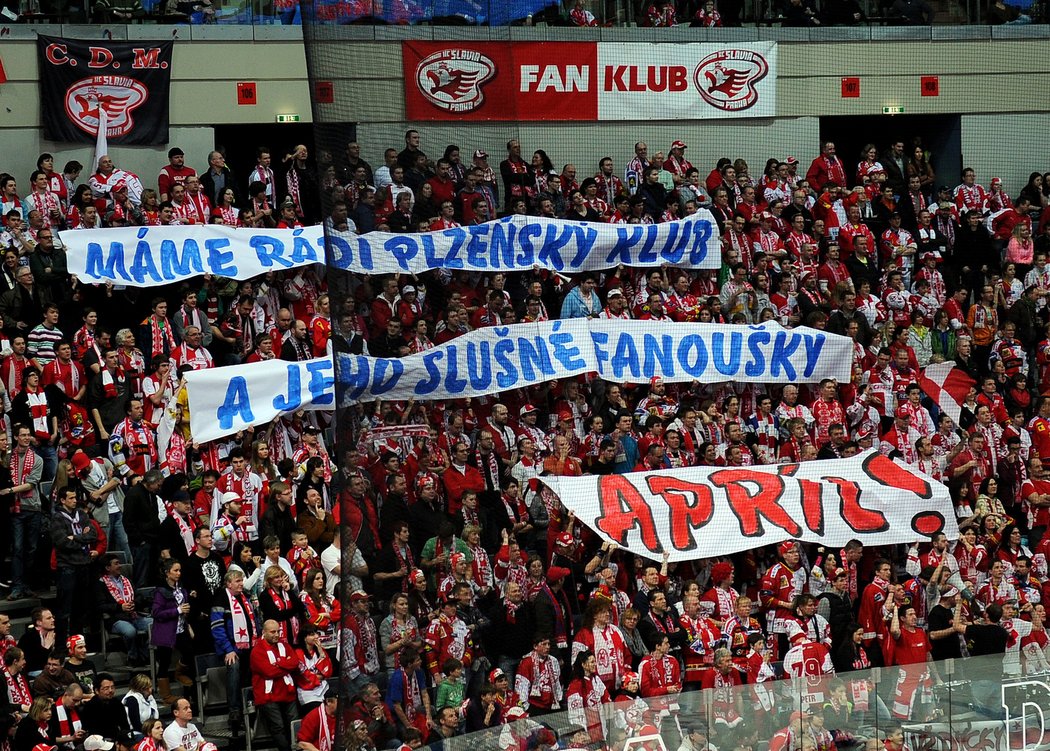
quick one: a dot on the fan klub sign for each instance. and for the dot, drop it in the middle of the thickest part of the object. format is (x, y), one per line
(506, 81)
(129, 81)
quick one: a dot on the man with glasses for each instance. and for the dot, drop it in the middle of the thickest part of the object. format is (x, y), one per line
(22, 306)
(48, 264)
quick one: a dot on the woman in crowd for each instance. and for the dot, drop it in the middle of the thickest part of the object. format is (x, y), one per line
(152, 736)
(315, 668)
(171, 607)
(139, 701)
(35, 727)
(278, 603)
(398, 630)
(322, 610)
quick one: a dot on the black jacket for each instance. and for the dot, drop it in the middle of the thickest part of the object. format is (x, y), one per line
(107, 718)
(208, 186)
(141, 522)
(510, 636)
(278, 523)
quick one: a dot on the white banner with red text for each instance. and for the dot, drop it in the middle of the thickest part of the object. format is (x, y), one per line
(701, 512)
(501, 358)
(532, 81)
(148, 256)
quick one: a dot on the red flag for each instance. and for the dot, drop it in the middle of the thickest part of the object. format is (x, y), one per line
(947, 385)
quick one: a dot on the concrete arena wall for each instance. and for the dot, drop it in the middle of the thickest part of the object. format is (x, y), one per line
(999, 86)
(1002, 106)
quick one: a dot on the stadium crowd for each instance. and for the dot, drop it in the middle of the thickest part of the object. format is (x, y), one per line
(424, 560)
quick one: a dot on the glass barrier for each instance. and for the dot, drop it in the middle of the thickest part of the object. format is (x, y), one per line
(968, 704)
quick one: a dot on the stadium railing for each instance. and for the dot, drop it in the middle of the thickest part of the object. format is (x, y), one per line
(971, 704)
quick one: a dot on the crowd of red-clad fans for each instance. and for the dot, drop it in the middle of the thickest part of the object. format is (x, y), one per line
(424, 560)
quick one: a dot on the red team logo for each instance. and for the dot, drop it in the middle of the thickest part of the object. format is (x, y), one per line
(726, 79)
(451, 79)
(118, 96)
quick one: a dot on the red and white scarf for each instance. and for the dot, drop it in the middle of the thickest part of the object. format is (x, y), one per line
(836, 173)
(45, 203)
(161, 338)
(59, 368)
(290, 627)
(185, 532)
(412, 698)
(14, 365)
(242, 630)
(293, 190)
(18, 689)
(38, 413)
(68, 720)
(119, 588)
(19, 473)
(109, 382)
(405, 560)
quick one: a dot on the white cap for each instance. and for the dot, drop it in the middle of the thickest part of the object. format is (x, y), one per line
(97, 743)
(229, 498)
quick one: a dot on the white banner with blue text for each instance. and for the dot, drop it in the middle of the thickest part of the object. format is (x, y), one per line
(148, 256)
(491, 360)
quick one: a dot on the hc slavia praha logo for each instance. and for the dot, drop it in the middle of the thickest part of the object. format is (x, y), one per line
(118, 96)
(451, 79)
(726, 79)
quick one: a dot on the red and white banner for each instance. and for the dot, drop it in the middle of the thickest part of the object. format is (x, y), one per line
(523, 81)
(701, 512)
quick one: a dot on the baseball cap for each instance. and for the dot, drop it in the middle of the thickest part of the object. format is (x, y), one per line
(496, 674)
(902, 412)
(97, 743)
(679, 144)
(117, 186)
(614, 292)
(565, 415)
(81, 462)
(311, 429)
(481, 154)
(528, 409)
(229, 497)
(408, 289)
(557, 573)
(358, 595)
(791, 160)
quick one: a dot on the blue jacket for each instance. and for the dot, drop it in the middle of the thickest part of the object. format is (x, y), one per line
(573, 307)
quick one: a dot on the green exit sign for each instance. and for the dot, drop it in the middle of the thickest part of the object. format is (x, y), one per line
(885, 111)
(289, 118)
